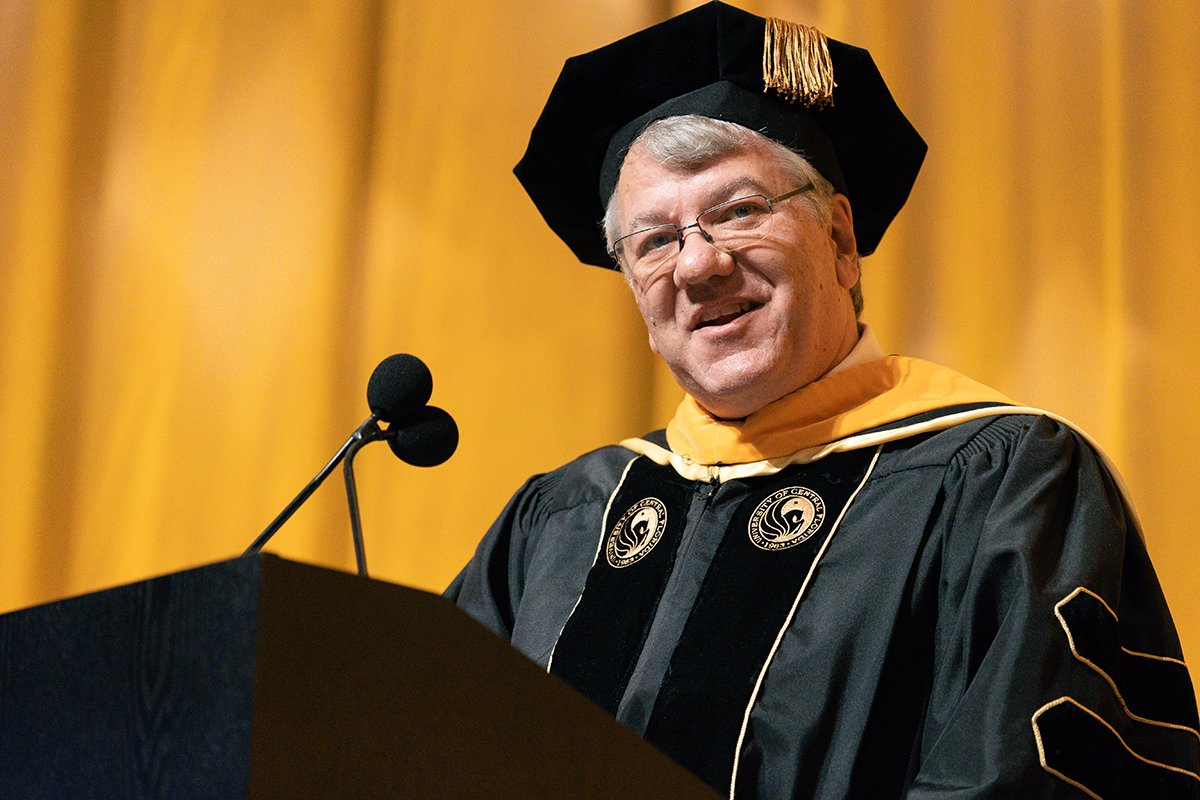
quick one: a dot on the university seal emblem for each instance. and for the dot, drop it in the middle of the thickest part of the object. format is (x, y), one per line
(636, 532)
(786, 518)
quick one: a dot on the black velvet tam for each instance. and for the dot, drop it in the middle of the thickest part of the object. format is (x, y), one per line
(709, 61)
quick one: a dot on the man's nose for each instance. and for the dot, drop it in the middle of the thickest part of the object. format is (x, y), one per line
(700, 259)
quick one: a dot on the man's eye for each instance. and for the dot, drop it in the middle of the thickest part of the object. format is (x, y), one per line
(739, 213)
(656, 241)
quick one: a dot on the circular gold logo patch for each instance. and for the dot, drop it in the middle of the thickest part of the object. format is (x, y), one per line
(636, 532)
(786, 518)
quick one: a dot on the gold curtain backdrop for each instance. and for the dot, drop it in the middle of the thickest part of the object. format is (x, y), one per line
(217, 216)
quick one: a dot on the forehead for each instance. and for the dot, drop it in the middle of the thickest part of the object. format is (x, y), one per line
(650, 190)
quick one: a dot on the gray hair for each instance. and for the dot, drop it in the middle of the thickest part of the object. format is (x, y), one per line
(691, 141)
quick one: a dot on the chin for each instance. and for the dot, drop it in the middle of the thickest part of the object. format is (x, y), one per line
(731, 399)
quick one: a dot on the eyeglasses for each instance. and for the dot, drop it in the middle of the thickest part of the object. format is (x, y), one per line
(726, 226)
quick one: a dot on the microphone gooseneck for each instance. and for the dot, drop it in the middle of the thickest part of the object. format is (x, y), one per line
(422, 435)
(369, 427)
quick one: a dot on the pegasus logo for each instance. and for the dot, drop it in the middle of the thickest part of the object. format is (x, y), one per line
(786, 518)
(636, 532)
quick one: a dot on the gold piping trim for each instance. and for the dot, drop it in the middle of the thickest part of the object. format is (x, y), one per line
(1037, 735)
(762, 673)
(599, 547)
(1108, 678)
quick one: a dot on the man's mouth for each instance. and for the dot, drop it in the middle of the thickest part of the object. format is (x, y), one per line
(725, 314)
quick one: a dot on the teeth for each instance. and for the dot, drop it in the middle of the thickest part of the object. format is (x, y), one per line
(738, 308)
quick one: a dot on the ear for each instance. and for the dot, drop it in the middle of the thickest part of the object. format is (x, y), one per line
(842, 233)
(653, 346)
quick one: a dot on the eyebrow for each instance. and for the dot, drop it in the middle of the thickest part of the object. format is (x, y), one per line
(728, 191)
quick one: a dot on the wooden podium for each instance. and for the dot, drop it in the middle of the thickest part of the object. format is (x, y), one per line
(264, 678)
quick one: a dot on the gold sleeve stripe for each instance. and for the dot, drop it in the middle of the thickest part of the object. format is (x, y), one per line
(1108, 678)
(1044, 759)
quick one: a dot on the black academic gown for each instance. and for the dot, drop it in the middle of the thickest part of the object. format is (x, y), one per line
(960, 613)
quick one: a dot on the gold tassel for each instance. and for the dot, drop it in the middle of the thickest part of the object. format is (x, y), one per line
(796, 63)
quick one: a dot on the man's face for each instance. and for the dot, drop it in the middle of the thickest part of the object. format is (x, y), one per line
(742, 329)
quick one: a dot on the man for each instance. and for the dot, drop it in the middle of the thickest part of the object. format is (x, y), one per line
(836, 573)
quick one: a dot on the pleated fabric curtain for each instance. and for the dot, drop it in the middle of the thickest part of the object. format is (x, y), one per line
(216, 217)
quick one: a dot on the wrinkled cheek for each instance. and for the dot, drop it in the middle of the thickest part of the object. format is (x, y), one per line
(659, 320)
(657, 337)
(651, 313)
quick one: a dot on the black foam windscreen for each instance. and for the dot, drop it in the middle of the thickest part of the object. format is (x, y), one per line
(399, 386)
(426, 438)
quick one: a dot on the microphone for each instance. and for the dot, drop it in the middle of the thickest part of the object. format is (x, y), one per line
(397, 393)
(399, 386)
(426, 439)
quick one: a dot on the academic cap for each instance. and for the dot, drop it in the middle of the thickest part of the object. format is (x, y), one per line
(711, 61)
